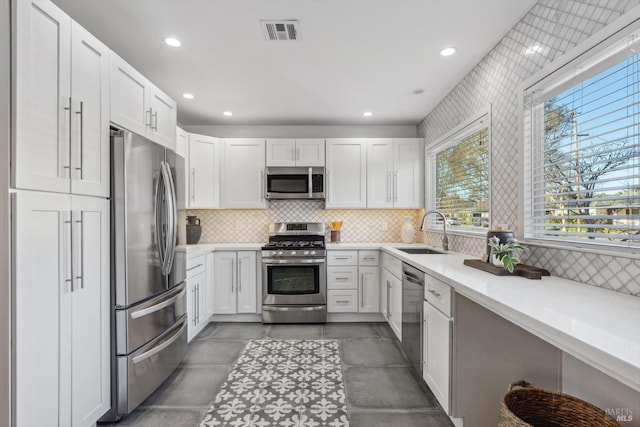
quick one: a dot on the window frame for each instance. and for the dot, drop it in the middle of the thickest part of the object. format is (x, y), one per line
(597, 53)
(469, 126)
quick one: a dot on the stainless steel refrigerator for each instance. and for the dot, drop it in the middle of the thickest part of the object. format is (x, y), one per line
(148, 289)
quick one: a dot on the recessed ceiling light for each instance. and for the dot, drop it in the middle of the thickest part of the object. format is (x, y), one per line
(173, 42)
(188, 95)
(228, 113)
(418, 91)
(448, 51)
(367, 114)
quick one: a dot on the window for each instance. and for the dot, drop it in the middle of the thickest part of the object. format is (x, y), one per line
(458, 171)
(582, 149)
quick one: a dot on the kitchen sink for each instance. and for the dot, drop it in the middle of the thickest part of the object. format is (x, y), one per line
(420, 251)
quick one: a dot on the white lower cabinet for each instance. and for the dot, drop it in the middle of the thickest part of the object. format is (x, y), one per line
(62, 305)
(391, 292)
(437, 340)
(196, 296)
(353, 284)
(235, 287)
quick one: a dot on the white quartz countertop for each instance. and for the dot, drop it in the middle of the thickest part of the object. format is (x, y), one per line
(598, 326)
(203, 248)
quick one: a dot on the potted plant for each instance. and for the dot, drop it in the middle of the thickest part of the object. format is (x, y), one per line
(505, 254)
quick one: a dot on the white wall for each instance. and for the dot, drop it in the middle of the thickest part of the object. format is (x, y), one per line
(5, 294)
(409, 131)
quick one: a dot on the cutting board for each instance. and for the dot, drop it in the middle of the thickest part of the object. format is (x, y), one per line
(528, 271)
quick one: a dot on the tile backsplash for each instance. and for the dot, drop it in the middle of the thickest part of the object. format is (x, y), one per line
(250, 225)
(559, 25)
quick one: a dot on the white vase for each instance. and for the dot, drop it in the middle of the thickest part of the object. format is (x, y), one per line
(408, 231)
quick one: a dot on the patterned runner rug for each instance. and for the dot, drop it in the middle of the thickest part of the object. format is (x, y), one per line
(288, 383)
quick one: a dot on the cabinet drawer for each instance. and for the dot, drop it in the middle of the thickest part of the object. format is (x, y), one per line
(438, 294)
(393, 264)
(342, 257)
(195, 266)
(342, 301)
(370, 258)
(342, 277)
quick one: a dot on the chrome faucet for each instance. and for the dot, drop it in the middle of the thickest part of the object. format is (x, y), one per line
(445, 239)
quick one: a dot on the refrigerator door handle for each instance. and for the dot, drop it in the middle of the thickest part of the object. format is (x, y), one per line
(158, 216)
(171, 215)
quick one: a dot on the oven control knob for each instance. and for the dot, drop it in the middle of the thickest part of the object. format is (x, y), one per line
(280, 253)
(306, 253)
(312, 252)
(293, 253)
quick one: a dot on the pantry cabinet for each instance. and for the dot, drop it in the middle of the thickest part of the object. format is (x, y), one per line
(204, 171)
(346, 173)
(61, 141)
(139, 106)
(62, 306)
(235, 282)
(394, 173)
(243, 175)
(288, 152)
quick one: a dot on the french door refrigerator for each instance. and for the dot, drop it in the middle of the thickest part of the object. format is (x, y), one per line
(148, 280)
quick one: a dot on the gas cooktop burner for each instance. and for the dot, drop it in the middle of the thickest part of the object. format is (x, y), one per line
(288, 244)
(295, 239)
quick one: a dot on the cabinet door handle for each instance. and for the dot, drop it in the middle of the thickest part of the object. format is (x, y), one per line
(198, 301)
(194, 267)
(79, 270)
(149, 112)
(193, 184)
(193, 305)
(342, 257)
(361, 289)
(342, 302)
(155, 116)
(341, 278)
(389, 185)
(69, 252)
(239, 275)
(395, 187)
(388, 295)
(81, 143)
(67, 149)
(369, 258)
(434, 293)
(233, 267)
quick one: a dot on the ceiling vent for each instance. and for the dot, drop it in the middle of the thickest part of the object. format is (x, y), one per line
(285, 29)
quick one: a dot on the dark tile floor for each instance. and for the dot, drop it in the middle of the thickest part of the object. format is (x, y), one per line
(380, 389)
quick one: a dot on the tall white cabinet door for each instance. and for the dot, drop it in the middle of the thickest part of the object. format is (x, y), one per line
(204, 171)
(90, 114)
(380, 173)
(247, 282)
(90, 303)
(242, 182)
(41, 148)
(224, 288)
(42, 289)
(281, 152)
(369, 290)
(310, 152)
(162, 125)
(346, 173)
(129, 96)
(407, 155)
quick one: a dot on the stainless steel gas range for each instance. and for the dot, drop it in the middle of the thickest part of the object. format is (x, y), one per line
(294, 274)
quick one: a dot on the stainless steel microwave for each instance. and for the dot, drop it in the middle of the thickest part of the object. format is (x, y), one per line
(295, 183)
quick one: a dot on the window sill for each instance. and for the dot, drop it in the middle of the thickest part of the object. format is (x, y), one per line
(630, 253)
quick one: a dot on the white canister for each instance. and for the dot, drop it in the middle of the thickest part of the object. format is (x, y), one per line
(408, 231)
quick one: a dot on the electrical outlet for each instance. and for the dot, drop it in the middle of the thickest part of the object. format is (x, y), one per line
(384, 226)
(239, 226)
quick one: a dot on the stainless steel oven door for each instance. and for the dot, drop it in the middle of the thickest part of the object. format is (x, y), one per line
(294, 281)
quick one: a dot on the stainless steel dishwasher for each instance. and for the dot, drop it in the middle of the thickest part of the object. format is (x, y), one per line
(412, 310)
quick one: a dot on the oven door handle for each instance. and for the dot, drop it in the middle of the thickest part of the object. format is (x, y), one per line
(292, 308)
(305, 262)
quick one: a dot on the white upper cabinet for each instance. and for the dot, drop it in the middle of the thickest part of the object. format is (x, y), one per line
(182, 142)
(346, 173)
(242, 181)
(61, 141)
(204, 171)
(289, 152)
(394, 173)
(139, 106)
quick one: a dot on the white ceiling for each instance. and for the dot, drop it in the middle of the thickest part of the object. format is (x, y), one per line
(352, 55)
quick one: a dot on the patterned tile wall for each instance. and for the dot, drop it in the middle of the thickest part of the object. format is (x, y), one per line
(558, 25)
(250, 225)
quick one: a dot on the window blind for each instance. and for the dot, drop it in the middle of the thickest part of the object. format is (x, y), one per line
(583, 160)
(461, 178)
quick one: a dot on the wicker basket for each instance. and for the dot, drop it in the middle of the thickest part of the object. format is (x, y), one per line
(528, 406)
